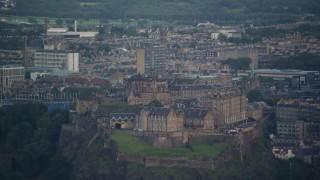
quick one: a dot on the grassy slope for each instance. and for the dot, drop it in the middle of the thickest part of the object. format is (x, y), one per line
(130, 144)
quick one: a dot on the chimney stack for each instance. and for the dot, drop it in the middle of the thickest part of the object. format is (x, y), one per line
(75, 25)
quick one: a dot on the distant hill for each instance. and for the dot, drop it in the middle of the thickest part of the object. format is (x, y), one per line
(231, 11)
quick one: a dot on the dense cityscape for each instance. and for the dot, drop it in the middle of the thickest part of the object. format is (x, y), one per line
(159, 98)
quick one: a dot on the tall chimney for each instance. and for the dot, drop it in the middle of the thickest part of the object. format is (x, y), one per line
(75, 25)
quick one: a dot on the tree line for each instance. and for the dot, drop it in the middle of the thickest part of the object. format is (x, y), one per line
(219, 11)
(28, 142)
(304, 61)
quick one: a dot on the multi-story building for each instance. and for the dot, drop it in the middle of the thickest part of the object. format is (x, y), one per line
(228, 104)
(64, 60)
(151, 58)
(295, 110)
(214, 79)
(229, 110)
(160, 120)
(298, 119)
(140, 53)
(8, 75)
(190, 90)
(294, 79)
(196, 118)
(140, 89)
(160, 59)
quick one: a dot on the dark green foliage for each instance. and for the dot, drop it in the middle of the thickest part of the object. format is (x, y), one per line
(269, 127)
(118, 31)
(255, 95)
(59, 21)
(302, 62)
(19, 136)
(29, 135)
(11, 43)
(104, 47)
(218, 11)
(238, 64)
(155, 103)
(58, 168)
(11, 34)
(32, 20)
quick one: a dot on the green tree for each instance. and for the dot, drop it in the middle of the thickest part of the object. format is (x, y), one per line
(155, 103)
(132, 31)
(104, 47)
(238, 64)
(255, 95)
(32, 20)
(46, 21)
(55, 90)
(118, 31)
(58, 168)
(59, 21)
(222, 38)
(19, 136)
(28, 162)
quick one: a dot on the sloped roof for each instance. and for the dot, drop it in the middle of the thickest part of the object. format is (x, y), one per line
(76, 80)
(99, 81)
(185, 81)
(157, 111)
(195, 113)
(190, 87)
(122, 116)
(87, 96)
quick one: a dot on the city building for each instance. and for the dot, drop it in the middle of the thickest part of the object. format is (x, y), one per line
(141, 61)
(151, 57)
(294, 79)
(196, 118)
(142, 90)
(298, 119)
(295, 110)
(64, 60)
(229, 110)
(64, 32)
(160, 120)
(123, 120)
(9, 75)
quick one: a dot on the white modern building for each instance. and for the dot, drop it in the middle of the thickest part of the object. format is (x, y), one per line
(64, 60)
(71, 34)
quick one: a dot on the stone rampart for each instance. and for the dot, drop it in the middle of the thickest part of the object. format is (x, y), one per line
(239, 144)
(196, 162)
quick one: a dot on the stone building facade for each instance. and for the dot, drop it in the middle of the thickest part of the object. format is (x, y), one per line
(298, 119)
(9, 75)
(86, 104)
(123, 120)
(196, 118)
(228, 107)
(141, 90)
(160, 120)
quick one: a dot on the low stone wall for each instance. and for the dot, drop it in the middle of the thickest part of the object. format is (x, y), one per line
(207, 138)
(239, 144)
(180, 162)
(197, 162)
(136, 158)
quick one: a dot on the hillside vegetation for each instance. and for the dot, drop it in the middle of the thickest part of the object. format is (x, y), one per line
(220, 11)
(28, 142)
